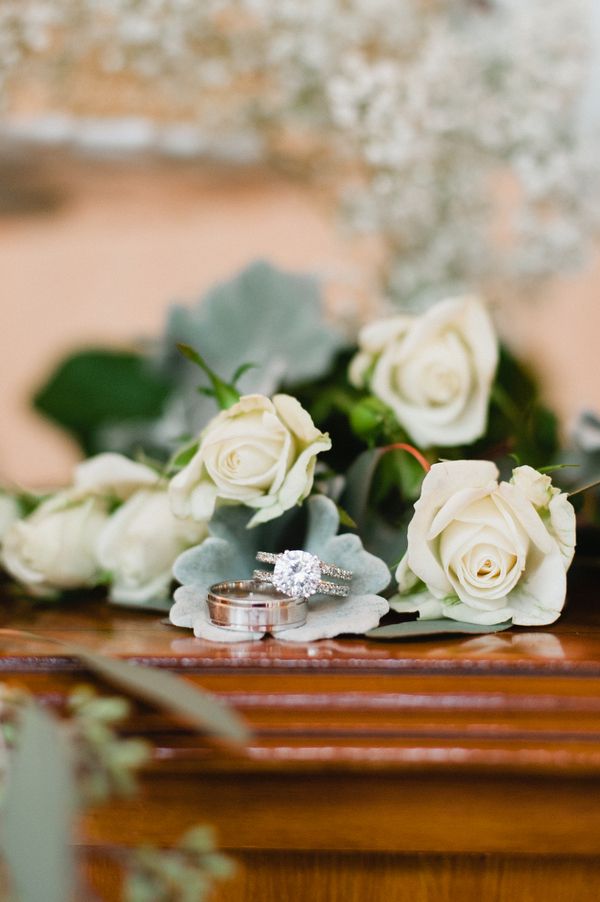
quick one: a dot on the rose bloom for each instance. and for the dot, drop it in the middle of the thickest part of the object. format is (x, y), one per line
(54, 547)
(434, 371)
(112, 474)
(486, 552)
(259, 453)
(139, 545)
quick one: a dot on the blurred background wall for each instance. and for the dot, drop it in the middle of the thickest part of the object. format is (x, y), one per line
(93, 247)
(118, 241)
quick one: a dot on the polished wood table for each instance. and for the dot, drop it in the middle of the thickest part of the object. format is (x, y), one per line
(445, 769)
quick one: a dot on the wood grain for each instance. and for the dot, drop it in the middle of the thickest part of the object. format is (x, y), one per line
(435, 769)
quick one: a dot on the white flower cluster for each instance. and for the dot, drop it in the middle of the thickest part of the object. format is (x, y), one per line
(427, 102)
(121, 522)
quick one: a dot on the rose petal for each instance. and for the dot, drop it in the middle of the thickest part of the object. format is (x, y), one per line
(442, 481)
(529, 518)
(296, 418)
(540, 595)
(563, 526)
(428, 607)
(113, 473)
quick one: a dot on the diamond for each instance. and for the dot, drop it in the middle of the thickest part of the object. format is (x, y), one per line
(297, 573)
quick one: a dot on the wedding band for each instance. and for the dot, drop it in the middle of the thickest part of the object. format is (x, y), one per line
(299, 573)
(322, 587)
(254, 606)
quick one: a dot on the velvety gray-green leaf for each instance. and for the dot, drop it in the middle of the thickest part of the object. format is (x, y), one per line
(38, 811)
(371, 575)
(263, 315)
(444, 626)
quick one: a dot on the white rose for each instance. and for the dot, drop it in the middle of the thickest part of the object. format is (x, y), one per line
(54, 547)
(259, 453)
(112, 474)
(434, 371)
(481, 552)
(10, 511)
(139, 544)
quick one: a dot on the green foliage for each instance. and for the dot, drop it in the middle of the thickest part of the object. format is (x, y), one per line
(198, 708)
(105, 764)
(378, 495)
(519, 424)
(38, 811)
(185, 873)
(56, 762)
(265, 315)
(91, 390)
(412, 629)
(121, 401)
(225, 394)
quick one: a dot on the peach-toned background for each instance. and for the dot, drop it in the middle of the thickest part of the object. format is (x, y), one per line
(128, 238)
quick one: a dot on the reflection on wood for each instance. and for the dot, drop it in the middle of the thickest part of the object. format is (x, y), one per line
(415, 770)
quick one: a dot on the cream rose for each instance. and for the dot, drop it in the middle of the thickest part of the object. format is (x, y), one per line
(54, 547)
(485, 552)
(139, 545)
(112, 474)
(434, 371)
(259, 453)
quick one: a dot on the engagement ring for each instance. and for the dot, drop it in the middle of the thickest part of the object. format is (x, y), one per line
(299, 573)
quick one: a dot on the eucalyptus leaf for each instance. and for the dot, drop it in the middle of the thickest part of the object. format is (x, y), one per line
(197, 707)
(39, 810)
(444, 626)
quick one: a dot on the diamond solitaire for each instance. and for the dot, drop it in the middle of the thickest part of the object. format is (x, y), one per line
(300, 573)
(297, 573)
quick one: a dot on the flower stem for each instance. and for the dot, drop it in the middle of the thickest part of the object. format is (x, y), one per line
(410, 449)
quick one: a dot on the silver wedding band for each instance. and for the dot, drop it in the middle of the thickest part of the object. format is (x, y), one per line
(254, 606)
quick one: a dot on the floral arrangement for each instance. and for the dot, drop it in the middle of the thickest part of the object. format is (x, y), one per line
(413, 108)
(395, 457)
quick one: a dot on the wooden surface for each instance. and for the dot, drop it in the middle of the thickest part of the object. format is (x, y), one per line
(452, 768)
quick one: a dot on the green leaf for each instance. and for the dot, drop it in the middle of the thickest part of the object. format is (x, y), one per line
(182, 457)
(554, 467)
(345, 518)
(91, 390)
(39, 809)
(243, 368)
(225, 395)
(444, 626)
(197, 707)
(359, 479)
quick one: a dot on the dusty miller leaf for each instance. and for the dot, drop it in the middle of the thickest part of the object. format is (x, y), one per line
(444, 626)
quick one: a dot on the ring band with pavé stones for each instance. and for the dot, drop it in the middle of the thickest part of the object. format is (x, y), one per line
(254, 606)
(300, 573)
